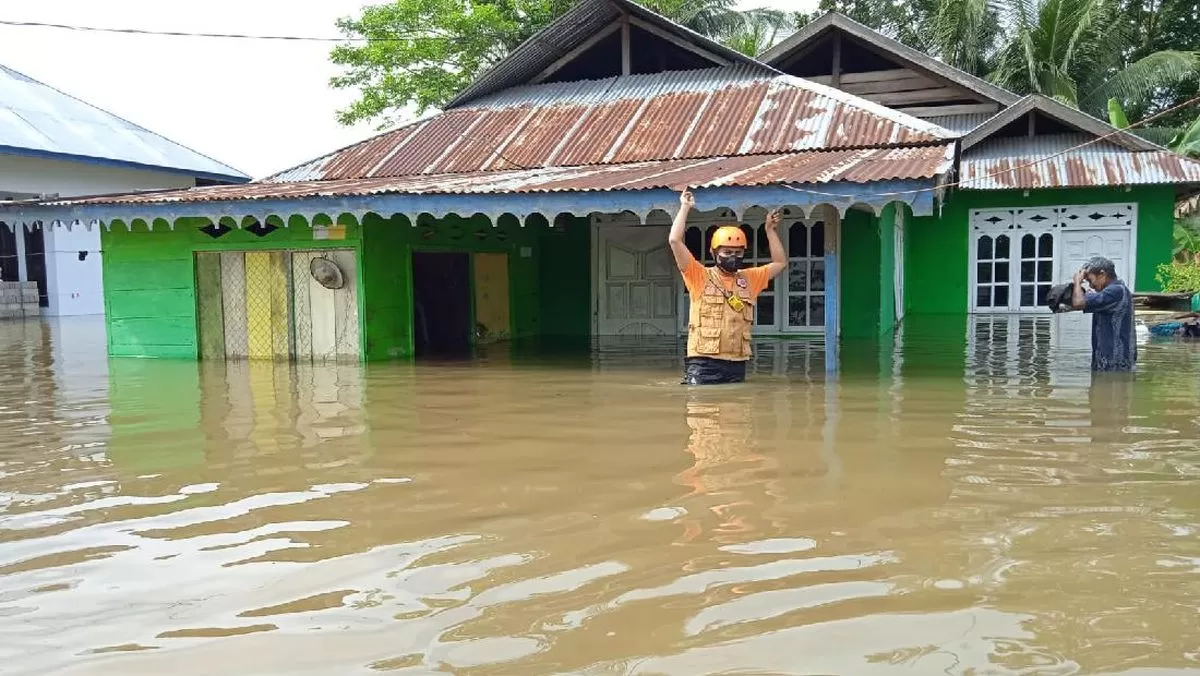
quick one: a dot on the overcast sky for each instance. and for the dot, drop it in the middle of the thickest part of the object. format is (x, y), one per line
(257, 105)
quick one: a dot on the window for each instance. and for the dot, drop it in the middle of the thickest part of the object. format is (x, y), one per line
(992, 271)
(1037, 268)
(806, 275)
(795, 300)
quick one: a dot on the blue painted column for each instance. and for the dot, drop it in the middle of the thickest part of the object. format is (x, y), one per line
(833, 228)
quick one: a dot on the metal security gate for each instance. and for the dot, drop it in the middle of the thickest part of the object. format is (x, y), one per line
(269, 305)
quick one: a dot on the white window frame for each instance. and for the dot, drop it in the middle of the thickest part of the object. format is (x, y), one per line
(1014, 222)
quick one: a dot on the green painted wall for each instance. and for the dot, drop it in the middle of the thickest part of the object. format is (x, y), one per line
(539, 301)
(860, 278)
(386, 287)
(150, 289)
(936, 258)
(150, 279)
(565, 281)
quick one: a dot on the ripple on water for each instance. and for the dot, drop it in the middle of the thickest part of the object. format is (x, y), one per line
(971, 503)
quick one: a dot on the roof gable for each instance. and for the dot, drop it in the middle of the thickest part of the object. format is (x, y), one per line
(39, 120)
(884, 70)
(717, 112)
(596, 25)
(1041, 143)
(1066, 116)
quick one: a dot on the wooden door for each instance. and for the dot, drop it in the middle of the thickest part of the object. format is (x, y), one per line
(637, 282)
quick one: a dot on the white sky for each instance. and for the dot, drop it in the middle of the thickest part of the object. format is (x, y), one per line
(257, 105)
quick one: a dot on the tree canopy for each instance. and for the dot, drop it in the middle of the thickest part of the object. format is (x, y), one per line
(1142, 54)
(1139, 57)
(419, 53)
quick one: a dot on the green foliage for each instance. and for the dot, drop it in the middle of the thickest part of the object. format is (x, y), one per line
(1142, 54)
(421, 53)
(904, 21)
(1179, 277)
(1187, 141)
(1116, 114)
(1187, 239)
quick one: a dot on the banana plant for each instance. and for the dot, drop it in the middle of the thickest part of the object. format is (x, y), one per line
(1184, 141)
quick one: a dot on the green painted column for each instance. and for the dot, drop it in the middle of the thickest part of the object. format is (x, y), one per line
(887, 269)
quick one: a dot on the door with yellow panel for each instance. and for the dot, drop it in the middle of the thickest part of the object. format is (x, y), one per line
(492, 317)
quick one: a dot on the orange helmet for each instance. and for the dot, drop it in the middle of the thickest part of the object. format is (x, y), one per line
(728, 235)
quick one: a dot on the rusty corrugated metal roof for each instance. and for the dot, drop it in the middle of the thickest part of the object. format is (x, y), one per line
(963, 123)
(712, 112)
(850, 165)
(1055, 162)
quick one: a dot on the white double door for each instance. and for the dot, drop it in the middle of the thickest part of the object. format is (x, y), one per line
(1075, 328)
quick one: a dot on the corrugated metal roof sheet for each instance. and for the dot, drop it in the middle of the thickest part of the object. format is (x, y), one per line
(1054, 162)
(856, 166)
(36, 117)
(675, 115)
(961, 124)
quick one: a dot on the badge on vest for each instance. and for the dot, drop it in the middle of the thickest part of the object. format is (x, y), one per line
(741, 281)
(736, 303)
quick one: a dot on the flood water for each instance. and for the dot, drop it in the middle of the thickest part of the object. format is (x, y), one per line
(957, 505)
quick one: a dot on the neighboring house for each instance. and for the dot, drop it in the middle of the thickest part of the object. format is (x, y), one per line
(54, 145)
(1030, 204)
(536, 204)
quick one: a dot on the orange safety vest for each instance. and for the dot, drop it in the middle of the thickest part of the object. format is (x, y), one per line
(715, 328)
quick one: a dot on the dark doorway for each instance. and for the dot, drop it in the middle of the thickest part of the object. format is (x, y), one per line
(10, 270)
(441, 303)
(35, 262)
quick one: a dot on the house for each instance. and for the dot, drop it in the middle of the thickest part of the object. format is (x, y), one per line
(1040, 187)
(54, 145)
(536, 204)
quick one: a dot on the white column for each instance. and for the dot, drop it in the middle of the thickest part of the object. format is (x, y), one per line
(833, 227)
(20, 237)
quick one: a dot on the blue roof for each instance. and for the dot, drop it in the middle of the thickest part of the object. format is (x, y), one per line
(39, 120)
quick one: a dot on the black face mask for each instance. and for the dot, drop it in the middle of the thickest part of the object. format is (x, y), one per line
(730, 263)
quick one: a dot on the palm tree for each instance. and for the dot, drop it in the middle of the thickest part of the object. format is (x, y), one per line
(1187, 141)
(749, 31)
(758, 31)
(1075, 51)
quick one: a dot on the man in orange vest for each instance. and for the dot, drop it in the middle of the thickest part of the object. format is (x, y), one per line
(723, 297)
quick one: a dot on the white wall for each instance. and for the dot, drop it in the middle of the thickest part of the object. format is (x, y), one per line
(76, 287)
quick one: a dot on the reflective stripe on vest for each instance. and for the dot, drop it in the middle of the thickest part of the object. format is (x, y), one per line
(717, 330)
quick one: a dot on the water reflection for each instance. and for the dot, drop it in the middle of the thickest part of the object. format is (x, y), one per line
(966, 499)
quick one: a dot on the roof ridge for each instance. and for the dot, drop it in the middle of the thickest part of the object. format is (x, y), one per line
(335, 151)
(113, 115)
(1100, 129)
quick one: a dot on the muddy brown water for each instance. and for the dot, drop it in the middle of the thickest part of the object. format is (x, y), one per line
(959, 506)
